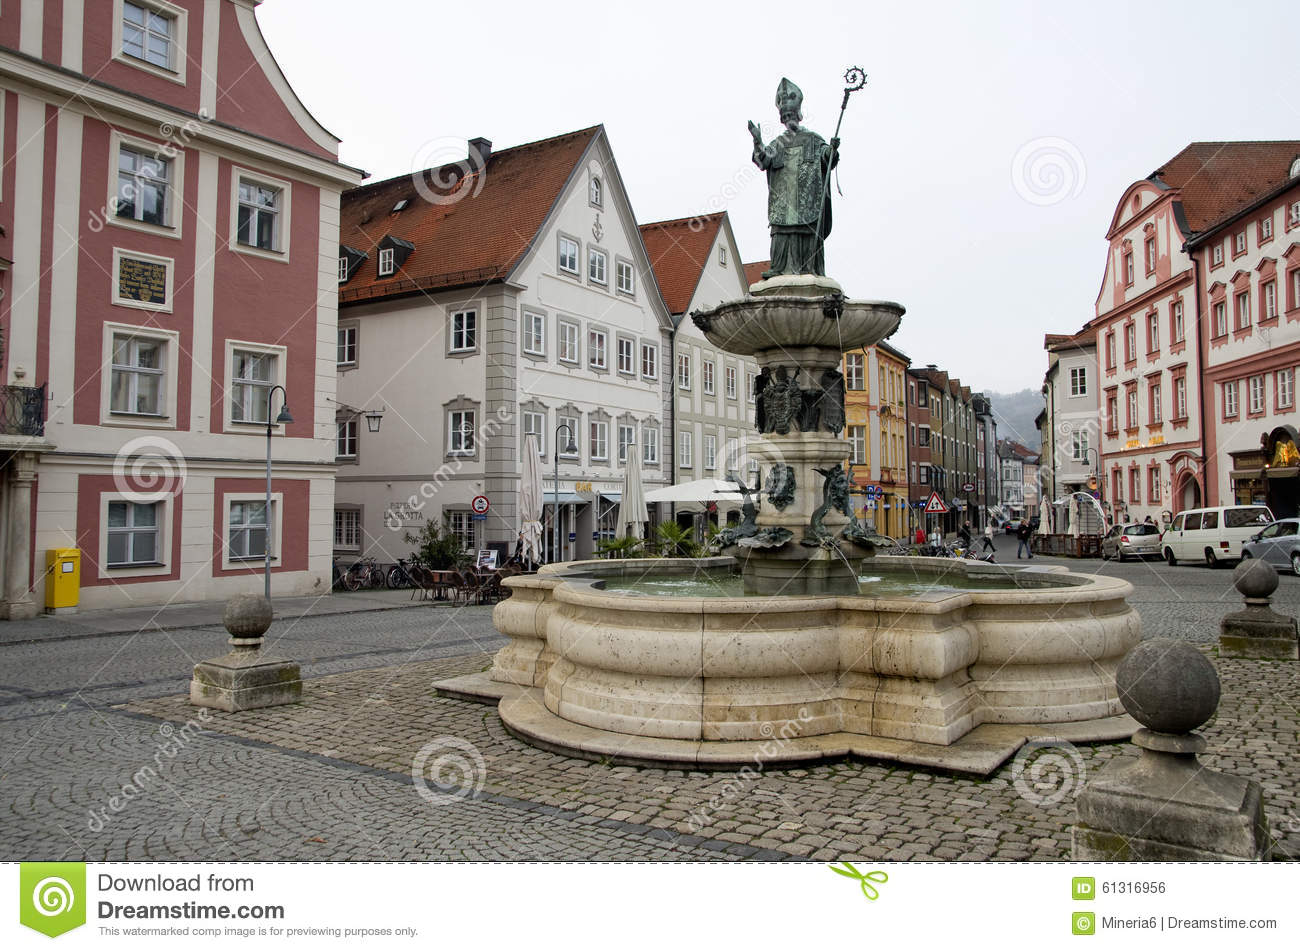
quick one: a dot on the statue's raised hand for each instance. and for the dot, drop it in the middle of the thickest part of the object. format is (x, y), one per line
(756, 133)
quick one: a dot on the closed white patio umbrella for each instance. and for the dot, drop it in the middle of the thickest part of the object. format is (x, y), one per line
(632, 514)
(530, 502)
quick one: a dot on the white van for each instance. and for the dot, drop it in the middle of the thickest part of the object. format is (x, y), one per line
(1212, 535)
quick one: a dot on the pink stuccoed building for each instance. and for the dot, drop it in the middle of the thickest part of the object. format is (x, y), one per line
(168, 254)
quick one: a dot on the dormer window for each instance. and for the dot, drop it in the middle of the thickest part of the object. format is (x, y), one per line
(393, 253)
(1295, 168)
(401, 205)
(350, 259)
(594, 191)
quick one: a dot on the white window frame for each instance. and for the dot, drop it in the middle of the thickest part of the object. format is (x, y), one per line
(118, 301)
(565, 327)
(347, 431)
(356, 516)
(1078, 381)
(275, 526)
(729, 381)
(574, 423)
(597, 267)
(1239, 243)
(650, 350)
(455, 428)
(1079, 445)
(560, 247)
(686, 450)
(1230, 407)
(855, 372)
(344, 331)
(1178, 332)
(344, 269)
(1157, 408)
(650, 445)
(684, 371)
(595, 192)
(710, 452)
(1220, 315)
(534, 335)
(751, 386)
(707, 374)
(283, 225)
(387, 262)
(468, 532)
(597, 349)
(171, 342)
(281, 355)
(1258, 393)
(628, 368)
(463, 332)
(625, 269)
(164, 550)
(180, 20)
(857, 445)
(1270, 299)
(531, 417)
(1216, 255)
(628, 430)
(1242, 315)
(175, 183)
(598, 440)
(1284, 382)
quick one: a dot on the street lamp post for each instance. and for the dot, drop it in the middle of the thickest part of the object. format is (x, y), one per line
(283, 418)
(572, 447)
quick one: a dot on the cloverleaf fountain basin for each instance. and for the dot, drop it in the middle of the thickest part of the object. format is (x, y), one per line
(938, 662)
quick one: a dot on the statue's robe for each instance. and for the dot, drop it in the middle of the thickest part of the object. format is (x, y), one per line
(798, 201)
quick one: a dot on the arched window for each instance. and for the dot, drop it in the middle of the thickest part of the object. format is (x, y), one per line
(1295, 168)
(595, 191)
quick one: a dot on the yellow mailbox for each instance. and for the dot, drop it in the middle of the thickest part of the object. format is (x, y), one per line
(62, 579)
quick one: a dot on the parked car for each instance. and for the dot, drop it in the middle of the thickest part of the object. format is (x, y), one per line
(1278, 544)
(1213, 535)
(1012, 525)
(1135, 540)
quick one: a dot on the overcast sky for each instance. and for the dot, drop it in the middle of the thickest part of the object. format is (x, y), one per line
(981, 164)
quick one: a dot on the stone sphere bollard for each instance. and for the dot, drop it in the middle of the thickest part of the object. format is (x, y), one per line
(1255, 579)
(247, 617)
(1168, 685)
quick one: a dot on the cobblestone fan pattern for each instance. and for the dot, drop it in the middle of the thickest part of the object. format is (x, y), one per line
(833, 811)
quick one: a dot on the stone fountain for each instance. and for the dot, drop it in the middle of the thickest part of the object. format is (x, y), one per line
(929, 661)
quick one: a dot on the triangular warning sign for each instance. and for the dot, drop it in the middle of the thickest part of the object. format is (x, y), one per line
(934, 505)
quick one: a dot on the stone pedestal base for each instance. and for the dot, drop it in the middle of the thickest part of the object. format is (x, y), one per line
(245, 680)
(1166, 807)
(1259, 634)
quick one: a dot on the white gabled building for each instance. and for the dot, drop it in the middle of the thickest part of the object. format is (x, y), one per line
(506, 295)
(698, 267)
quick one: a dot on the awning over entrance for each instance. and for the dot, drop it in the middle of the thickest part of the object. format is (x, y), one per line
(1245, 473)
(566, 498)
(1282, 472)
(701, 490)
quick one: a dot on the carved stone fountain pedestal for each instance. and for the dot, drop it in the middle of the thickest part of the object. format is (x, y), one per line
(797, 327)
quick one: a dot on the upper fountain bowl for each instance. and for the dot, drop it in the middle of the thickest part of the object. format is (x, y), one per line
(792, 311)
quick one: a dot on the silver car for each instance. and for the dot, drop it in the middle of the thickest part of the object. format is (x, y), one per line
(1278, 544)
(1136, 540)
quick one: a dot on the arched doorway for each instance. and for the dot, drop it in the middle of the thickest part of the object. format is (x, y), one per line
(1189, 493)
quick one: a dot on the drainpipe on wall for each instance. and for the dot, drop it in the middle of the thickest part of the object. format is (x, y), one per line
(671, 370)
(1200, 386)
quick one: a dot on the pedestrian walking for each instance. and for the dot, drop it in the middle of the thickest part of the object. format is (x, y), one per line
(1022, 537)
(988, 537)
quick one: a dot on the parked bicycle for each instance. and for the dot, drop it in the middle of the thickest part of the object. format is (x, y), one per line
(363, 573)
(399, 575)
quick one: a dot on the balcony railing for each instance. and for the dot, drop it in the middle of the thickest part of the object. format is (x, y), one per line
(22, 410)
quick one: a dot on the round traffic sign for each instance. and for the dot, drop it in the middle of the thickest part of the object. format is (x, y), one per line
(968, 487)
(480, 504)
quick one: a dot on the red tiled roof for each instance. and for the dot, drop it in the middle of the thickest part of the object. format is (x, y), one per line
(754, 271)
(476, 238)
(678, 251)
(1086, 337)
(1218, 178)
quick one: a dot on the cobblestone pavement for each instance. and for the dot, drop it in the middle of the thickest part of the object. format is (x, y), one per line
(331, 778)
